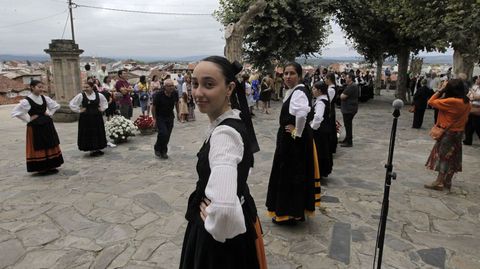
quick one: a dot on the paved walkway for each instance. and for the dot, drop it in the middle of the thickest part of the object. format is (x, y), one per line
(125, 209)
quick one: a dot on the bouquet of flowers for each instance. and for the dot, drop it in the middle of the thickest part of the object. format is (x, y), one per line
(145, 124)
(119, 128)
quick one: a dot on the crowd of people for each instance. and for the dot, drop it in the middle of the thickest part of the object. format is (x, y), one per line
(223, 229)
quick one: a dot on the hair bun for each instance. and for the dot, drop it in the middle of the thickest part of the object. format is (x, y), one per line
(236, 67)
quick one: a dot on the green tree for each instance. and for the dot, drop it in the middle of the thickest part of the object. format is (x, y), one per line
(286, 29)
(394, 28)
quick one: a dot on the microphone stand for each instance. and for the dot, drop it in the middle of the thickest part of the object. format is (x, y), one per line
(386, 194)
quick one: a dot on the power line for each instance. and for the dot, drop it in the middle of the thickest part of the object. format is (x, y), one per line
(143, 12)
(65, 26)
(34, 20)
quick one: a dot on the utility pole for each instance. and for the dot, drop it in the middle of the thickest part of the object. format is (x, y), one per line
(70, 5)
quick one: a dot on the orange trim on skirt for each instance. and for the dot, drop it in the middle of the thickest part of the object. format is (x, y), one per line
(262, 259)
(36, 157)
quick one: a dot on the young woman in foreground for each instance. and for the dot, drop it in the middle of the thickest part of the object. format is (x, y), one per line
(223, 228)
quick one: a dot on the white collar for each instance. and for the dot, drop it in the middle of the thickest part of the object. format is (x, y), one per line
(290, 91)
(229, 114)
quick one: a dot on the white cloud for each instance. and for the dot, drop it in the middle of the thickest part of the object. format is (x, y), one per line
(110, 33)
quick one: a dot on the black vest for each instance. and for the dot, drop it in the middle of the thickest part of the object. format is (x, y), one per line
(36, 109)
(91, 105)
(285, 117)
(325, 126)
(243, 168)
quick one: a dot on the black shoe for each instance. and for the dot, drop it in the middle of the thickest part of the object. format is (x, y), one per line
(100, 153)
(346, 145)
(48, 172)
(158, 154)
(467, 143)
(164, 155)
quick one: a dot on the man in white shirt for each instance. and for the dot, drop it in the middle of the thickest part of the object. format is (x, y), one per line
(102, 73)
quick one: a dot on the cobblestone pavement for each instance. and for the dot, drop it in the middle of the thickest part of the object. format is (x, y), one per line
(125, 209)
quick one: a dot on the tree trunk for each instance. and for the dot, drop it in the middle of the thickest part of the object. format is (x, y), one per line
(378, 77)
(402, 56)
(234, 39)
(462, 64)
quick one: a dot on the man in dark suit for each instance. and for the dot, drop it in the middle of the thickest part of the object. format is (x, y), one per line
(420, 99)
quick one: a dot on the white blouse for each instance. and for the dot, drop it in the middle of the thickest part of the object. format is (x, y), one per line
(225, 217)
(299, 107)
(331, 92)
(20, 111)
(319, 112)
(76, 103)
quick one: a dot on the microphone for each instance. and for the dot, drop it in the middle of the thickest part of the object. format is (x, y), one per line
(397, 105)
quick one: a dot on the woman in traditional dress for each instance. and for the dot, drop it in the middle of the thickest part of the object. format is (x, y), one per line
(265, 93)
(91, 129)
(187, 88)
(223, 228)
(291, 188)
(322, 128)
(446, 155)
(43, 150)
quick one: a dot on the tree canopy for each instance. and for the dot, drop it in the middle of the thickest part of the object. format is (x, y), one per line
(287, 29)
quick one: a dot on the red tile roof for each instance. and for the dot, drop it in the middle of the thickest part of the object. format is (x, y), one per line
(7, 85)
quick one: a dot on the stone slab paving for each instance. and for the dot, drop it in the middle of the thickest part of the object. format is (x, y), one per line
(125, 209)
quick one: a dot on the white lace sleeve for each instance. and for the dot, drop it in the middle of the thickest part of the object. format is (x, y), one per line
(20, 111)
(225, 218)
(318, 117)
(299, 108)
(52, 105)
(103, 102)
(76, 103)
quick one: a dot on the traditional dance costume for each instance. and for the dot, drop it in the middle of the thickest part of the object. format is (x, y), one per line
(43, 150)
(230, 237)
(292, 190)
(91, 129)
(321, 125)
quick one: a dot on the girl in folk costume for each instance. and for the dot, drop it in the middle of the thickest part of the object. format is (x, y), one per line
(183, 107)
(223, 228)
(321, 125)
(91, 129)
(291, 188)
(187, 88)
(43, 150)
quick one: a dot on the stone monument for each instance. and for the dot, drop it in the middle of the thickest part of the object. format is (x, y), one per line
(65, 56)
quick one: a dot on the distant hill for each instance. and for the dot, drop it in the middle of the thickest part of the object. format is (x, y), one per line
(324, 61)
(23, 58)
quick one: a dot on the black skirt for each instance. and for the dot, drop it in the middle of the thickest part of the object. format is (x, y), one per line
(201, 251)
(91, 132)
(291, 188)
(324, 153)
(265, 96)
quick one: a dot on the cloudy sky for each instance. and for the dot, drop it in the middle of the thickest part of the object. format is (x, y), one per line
(26, 27)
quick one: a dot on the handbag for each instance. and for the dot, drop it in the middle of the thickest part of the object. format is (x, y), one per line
(437, 132)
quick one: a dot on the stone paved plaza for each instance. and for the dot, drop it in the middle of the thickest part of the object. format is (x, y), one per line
(126, 209)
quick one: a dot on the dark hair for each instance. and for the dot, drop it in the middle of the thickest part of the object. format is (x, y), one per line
(154, 77)
(105, 79)
(321, 86)
(296, 66)
(229, 70)
(120, 72)
(331, 76)
(34, 83)
(351, 75)
(143, 79)
(91, 84)
(456, 89)
(87, 67)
